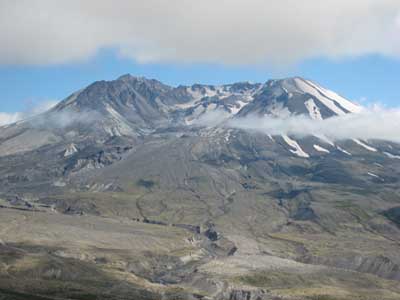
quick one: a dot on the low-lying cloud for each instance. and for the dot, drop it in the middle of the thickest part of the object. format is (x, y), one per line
(230, 32)
(64, 118)
(375, 123)
(9, 118)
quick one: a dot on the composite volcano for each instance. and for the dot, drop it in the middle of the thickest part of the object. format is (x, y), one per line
(133, 189)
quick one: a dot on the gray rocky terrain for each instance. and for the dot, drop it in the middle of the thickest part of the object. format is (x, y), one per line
(132, 189)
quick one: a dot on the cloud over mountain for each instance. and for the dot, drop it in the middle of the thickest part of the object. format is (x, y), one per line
(8, 118)
(374, 123)
(227, 32)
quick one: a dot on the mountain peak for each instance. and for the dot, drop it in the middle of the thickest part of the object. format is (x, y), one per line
(138, 79)
(299, 96)
(126, 76)
(130, 77)
(132, 103)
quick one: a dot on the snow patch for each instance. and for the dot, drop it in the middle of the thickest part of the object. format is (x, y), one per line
(59, 183)
(369, 148)
(237, 107)
(321, 149)
(306, 87)
(390, 155)
(296, 147)
(228, 135)
(70, 150)
(313, 110)
(344, 151)
(346, 104)
(374, 175)
(204, 91)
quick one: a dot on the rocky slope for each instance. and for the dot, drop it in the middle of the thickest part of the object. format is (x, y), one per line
(132, 189)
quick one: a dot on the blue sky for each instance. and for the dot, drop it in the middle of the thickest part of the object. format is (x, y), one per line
(371, 78)
(50, 49)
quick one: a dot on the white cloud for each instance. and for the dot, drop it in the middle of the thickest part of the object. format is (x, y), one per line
(212, 118)
(64, 118)
(212, 31)
(8, 118)
(374, 123)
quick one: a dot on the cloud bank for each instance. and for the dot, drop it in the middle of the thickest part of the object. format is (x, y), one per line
(376, 123)
(9, 118)
(234, 32)
(64, 118)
